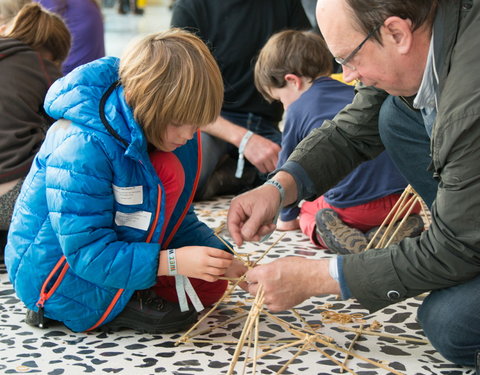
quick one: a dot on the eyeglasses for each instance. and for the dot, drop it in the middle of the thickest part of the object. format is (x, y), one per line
(345, 61)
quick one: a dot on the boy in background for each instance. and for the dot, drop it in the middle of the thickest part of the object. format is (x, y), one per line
(294, 68)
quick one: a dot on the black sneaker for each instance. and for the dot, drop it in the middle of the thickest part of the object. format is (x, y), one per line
(149, 313)
(34, 319)
(412, 227)
(337, 235)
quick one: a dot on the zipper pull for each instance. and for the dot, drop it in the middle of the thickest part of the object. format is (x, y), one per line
(41, 320)
(40, 313)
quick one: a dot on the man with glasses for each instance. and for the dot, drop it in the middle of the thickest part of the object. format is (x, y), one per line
(418, 99)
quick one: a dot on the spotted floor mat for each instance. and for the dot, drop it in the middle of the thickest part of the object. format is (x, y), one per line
(56, 350)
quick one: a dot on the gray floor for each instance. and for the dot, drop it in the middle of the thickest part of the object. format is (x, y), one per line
(120, 30)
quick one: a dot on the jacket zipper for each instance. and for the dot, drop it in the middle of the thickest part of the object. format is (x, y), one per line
(120, 291)
(194, 189)
(44, 294)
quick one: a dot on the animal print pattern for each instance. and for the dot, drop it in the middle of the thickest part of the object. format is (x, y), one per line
(56, 350)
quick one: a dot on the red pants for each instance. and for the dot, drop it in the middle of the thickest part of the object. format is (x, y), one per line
(363, 217)
(170, 172)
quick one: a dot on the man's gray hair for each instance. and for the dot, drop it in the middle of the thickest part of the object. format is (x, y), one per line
(368, 14)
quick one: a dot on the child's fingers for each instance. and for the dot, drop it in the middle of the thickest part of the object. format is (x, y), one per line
(219, 263)
(218, 253)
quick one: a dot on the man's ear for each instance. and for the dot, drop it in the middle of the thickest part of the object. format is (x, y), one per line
(398, 32)
(293, 79)
(3, 28)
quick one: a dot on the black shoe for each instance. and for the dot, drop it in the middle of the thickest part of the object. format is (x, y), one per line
(337, 235)
(34, 319)
(149, 313)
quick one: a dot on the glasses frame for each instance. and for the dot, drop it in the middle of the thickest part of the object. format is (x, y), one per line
(344, 62)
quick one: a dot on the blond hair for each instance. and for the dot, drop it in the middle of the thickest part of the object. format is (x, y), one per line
(9, 9)
(171, 78)
(303, 53)
(41, 30)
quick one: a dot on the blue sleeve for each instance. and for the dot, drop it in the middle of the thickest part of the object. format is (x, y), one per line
(193, 232)
(305, 186)
(344, 289)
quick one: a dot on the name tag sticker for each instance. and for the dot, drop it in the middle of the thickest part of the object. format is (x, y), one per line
(129, 195)
(138, 220)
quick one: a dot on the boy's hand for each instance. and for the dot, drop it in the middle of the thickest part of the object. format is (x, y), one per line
(236, 270)
(202, 262)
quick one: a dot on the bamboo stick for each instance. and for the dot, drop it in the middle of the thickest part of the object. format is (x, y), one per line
(247, 328)
(239, 256)
(305, 345)
(375, 363)
(350, 347)
(392, 211)
(405, 217)
(337, 362)
(185, 336)
(386, 335)
(266, 251)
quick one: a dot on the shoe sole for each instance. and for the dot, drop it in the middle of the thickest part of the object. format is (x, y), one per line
(412, 227)
(345, 240)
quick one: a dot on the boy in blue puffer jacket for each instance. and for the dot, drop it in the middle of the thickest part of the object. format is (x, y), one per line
(103, 232)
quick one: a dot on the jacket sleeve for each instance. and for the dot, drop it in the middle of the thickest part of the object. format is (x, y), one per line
(25, 80)
(193, 232)
(448, 253)
(80, 201)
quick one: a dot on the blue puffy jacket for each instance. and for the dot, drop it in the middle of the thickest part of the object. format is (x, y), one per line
(86, 227)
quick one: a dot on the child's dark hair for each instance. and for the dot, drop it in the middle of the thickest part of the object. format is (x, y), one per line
(42, 30)
(302, 53)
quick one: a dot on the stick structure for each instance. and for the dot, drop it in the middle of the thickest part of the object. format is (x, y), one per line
(408, 200)
(304, 337)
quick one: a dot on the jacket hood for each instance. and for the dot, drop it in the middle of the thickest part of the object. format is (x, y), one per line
(10, 46)
(91, 96)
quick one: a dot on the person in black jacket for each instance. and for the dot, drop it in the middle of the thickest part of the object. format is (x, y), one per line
(30, 62)
(246, 132)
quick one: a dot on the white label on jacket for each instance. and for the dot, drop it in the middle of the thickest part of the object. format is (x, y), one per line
(138, 220)
(128, 195)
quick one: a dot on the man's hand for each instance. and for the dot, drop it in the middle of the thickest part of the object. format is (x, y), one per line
(251, 214)
(259, 151)
(262, 153)
(289, 281)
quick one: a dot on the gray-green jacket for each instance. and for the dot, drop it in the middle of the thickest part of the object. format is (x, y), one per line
(449, 252)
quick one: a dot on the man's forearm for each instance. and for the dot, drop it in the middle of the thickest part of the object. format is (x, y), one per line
(226, 131)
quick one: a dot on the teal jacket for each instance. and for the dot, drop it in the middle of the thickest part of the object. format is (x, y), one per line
(449, 252)
(86, 230)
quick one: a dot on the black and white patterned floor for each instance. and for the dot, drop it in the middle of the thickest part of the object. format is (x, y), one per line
(57, 350)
